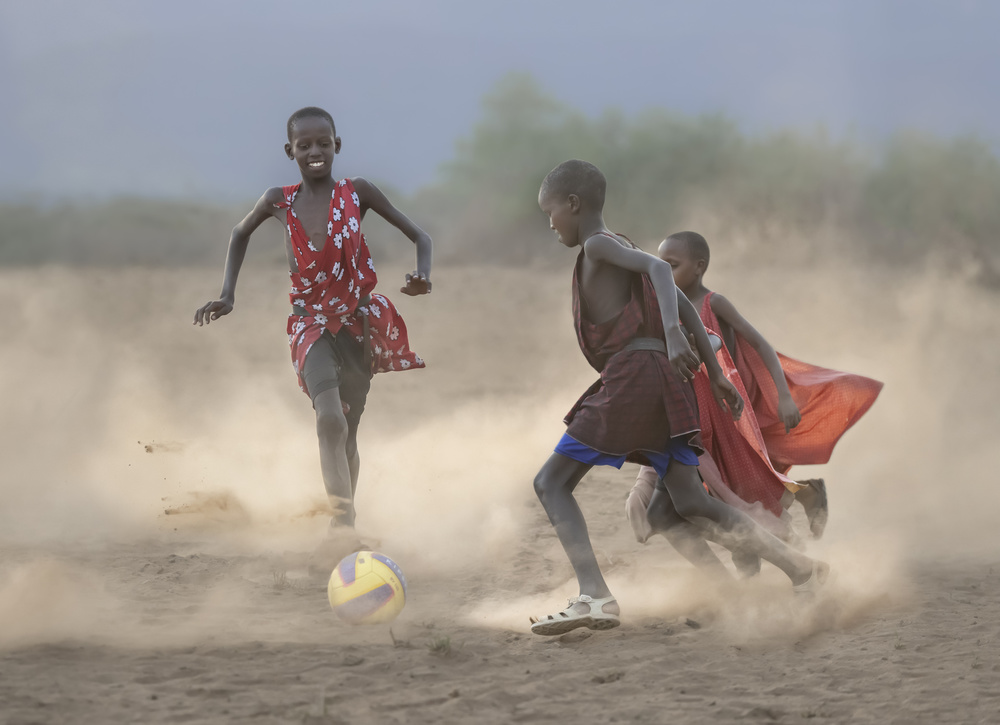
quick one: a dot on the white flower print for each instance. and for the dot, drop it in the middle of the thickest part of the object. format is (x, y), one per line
(378, 350)
(339, 241)
(305, 281)
(345, 231)
(345, 320)
(359, 338)
(375, 311)
(321, 319)
(336, 216)
(350, 286)
(295, 290)
(341, 202)
(329, 228)
(394, 334)
(341, 275)
(343, 182)
(418, 360)
(371, 264)
(387, 354)
(320, 276)
(357, 292)
(311, 247)
(299, 302)
(317, 307)
(341, 309)
(311, 265)
(404, 363)
(354, 198)
(353, 224)
(336, 269)
(289, 228)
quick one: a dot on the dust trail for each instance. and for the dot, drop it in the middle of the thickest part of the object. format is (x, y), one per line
(118, 411)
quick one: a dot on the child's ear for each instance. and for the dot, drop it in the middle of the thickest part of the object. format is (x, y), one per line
(336, 145)
(574, 202)
(701, 266)
(288, 151)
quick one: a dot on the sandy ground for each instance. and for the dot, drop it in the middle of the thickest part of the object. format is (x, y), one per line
(116, 411)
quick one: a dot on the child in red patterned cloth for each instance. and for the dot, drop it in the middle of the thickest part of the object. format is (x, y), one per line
(341, 333)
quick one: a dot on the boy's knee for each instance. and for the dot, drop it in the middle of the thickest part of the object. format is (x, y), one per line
(660, 519)
(332, 424)
(543, 486)
(692, 507)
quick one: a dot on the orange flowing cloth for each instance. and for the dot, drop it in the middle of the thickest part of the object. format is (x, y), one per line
(829, 401)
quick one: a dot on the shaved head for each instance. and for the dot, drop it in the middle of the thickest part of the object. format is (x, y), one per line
(694, 243)
(576, 177)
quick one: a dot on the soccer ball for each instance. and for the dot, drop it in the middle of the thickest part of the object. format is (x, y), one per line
(367, 588)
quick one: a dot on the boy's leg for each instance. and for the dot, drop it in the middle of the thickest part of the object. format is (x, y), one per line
(729, 526)
(333, 433)
(594, 608)
(323, 375)
(687, 538)
(554, 486)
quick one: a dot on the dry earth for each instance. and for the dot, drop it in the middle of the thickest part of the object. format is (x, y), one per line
(115, 411)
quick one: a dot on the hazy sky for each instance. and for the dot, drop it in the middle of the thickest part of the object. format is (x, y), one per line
(190, 98)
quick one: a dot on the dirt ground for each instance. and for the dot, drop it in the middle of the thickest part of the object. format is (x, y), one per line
(117, 411)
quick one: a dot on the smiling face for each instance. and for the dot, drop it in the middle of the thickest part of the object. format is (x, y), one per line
(687, 270)
(313, 146)
(563, 216)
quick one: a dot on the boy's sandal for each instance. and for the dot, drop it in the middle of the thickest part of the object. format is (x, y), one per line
(570, 618)
(816, 580)
(818, 511)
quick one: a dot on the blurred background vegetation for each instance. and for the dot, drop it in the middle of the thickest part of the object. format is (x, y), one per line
(758, 198)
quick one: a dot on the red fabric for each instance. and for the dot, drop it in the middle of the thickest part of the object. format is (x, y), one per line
(331, 281)
(638, 403)
(829, 401)
(737, 447)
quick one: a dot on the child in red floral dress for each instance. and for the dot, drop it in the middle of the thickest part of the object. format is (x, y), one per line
(341, 332)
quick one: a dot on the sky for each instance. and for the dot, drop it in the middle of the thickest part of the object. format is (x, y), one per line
(189, 99)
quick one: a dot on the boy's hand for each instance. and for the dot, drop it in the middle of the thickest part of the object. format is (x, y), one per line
(725, 395)
(683, 359)
(788, 413)
(416, 284)
(212, 311)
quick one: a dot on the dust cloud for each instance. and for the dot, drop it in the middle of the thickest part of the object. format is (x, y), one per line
(124, 425)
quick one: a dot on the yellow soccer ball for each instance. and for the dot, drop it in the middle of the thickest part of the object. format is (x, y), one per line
(367, 588)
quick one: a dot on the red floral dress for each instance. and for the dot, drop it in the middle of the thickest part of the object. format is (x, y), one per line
(333, 280)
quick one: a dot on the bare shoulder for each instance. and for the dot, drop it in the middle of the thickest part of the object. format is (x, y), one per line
(363, 187)
(617, 252)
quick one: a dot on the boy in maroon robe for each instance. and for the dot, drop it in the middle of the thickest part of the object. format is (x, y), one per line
(627, 313)
(340, 332)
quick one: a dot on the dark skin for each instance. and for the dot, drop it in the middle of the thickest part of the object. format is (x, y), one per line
(313, 146)
(688, 273)
(607, 268)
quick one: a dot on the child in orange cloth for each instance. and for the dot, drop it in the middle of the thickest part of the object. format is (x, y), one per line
(796, 412)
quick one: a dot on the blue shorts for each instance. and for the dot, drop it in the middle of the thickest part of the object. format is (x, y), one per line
(678, 450)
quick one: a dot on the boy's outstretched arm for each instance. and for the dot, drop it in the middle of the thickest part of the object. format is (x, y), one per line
(788, 412)
(371, 197)
(600, 248)
(238, 243)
